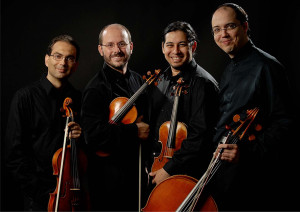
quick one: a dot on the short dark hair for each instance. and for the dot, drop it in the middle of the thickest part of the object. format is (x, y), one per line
(66, 38)
(182, 26)
(241, 14)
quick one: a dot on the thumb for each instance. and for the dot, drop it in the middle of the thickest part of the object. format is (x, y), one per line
(152, 174)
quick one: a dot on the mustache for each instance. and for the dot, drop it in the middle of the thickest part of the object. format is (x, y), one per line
(119, 54)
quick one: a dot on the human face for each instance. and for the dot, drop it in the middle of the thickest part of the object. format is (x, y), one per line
(177, 50)
(59, 70)
(116, 57)
(231, 40)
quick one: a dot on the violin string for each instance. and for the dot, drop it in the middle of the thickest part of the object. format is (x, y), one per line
(119, 114)
(173, 124)
(75, 175)
(116, 118)
(213, 167)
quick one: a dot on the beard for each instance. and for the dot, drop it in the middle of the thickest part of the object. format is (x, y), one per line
(117, 61)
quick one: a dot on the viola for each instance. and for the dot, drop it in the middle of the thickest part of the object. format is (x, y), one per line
(69, 165)
(171, 133)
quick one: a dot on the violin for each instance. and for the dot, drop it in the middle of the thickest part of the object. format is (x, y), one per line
(122, 109)
(171, 133)
(69, 164)
(183, 193)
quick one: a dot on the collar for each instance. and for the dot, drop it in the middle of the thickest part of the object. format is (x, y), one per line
(47, 85)
(244, 52)
(49, 88)
(186, 72)
(113, 75)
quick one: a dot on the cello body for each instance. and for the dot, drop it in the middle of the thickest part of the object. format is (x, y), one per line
(169, 194)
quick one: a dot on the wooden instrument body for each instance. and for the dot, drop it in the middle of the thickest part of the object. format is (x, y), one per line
(169, 194)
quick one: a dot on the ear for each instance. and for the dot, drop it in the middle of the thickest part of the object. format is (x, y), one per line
(47, 59)
(100, 50)
(131, 47)
(162, 47)
(246, 26)
(194, 46)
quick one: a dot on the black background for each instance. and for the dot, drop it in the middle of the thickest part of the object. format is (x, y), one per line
(28, 26)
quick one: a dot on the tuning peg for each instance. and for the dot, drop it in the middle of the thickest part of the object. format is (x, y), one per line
(258, 127)
(236, 118)
(251, 137)
(184, 92)
(144, 77)
(148, 73)
(227, 127)
(180, 80)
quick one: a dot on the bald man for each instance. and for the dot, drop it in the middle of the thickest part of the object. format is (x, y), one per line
(114, 148)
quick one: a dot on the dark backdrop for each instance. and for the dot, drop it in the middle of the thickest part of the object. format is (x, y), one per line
(27, 27)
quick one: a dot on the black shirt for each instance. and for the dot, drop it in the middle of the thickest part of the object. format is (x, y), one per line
(114, 178)
(105, 86)
(254, 79)
(198, 110)
(35, 131)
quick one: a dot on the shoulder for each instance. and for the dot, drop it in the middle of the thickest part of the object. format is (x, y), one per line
(29, 90)
(25, 96)
(202, 75)
(266, 59)
(135, 75)
(97, 82)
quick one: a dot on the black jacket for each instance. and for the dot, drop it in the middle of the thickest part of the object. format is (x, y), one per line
(198, 110)
(115, 176)
(254, 79)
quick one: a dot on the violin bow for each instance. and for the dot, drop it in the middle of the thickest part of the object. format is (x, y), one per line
(69, 114)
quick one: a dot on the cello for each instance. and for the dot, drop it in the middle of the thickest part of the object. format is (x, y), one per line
(171, 133)
(183, 193)
(69, 163)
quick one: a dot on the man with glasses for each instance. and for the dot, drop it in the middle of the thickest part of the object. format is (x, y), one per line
(114, 148)
(250, 176)
(35, 128)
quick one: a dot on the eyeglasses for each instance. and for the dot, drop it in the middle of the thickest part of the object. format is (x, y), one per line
(120, 45)
(59, 57)
(227, 28)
